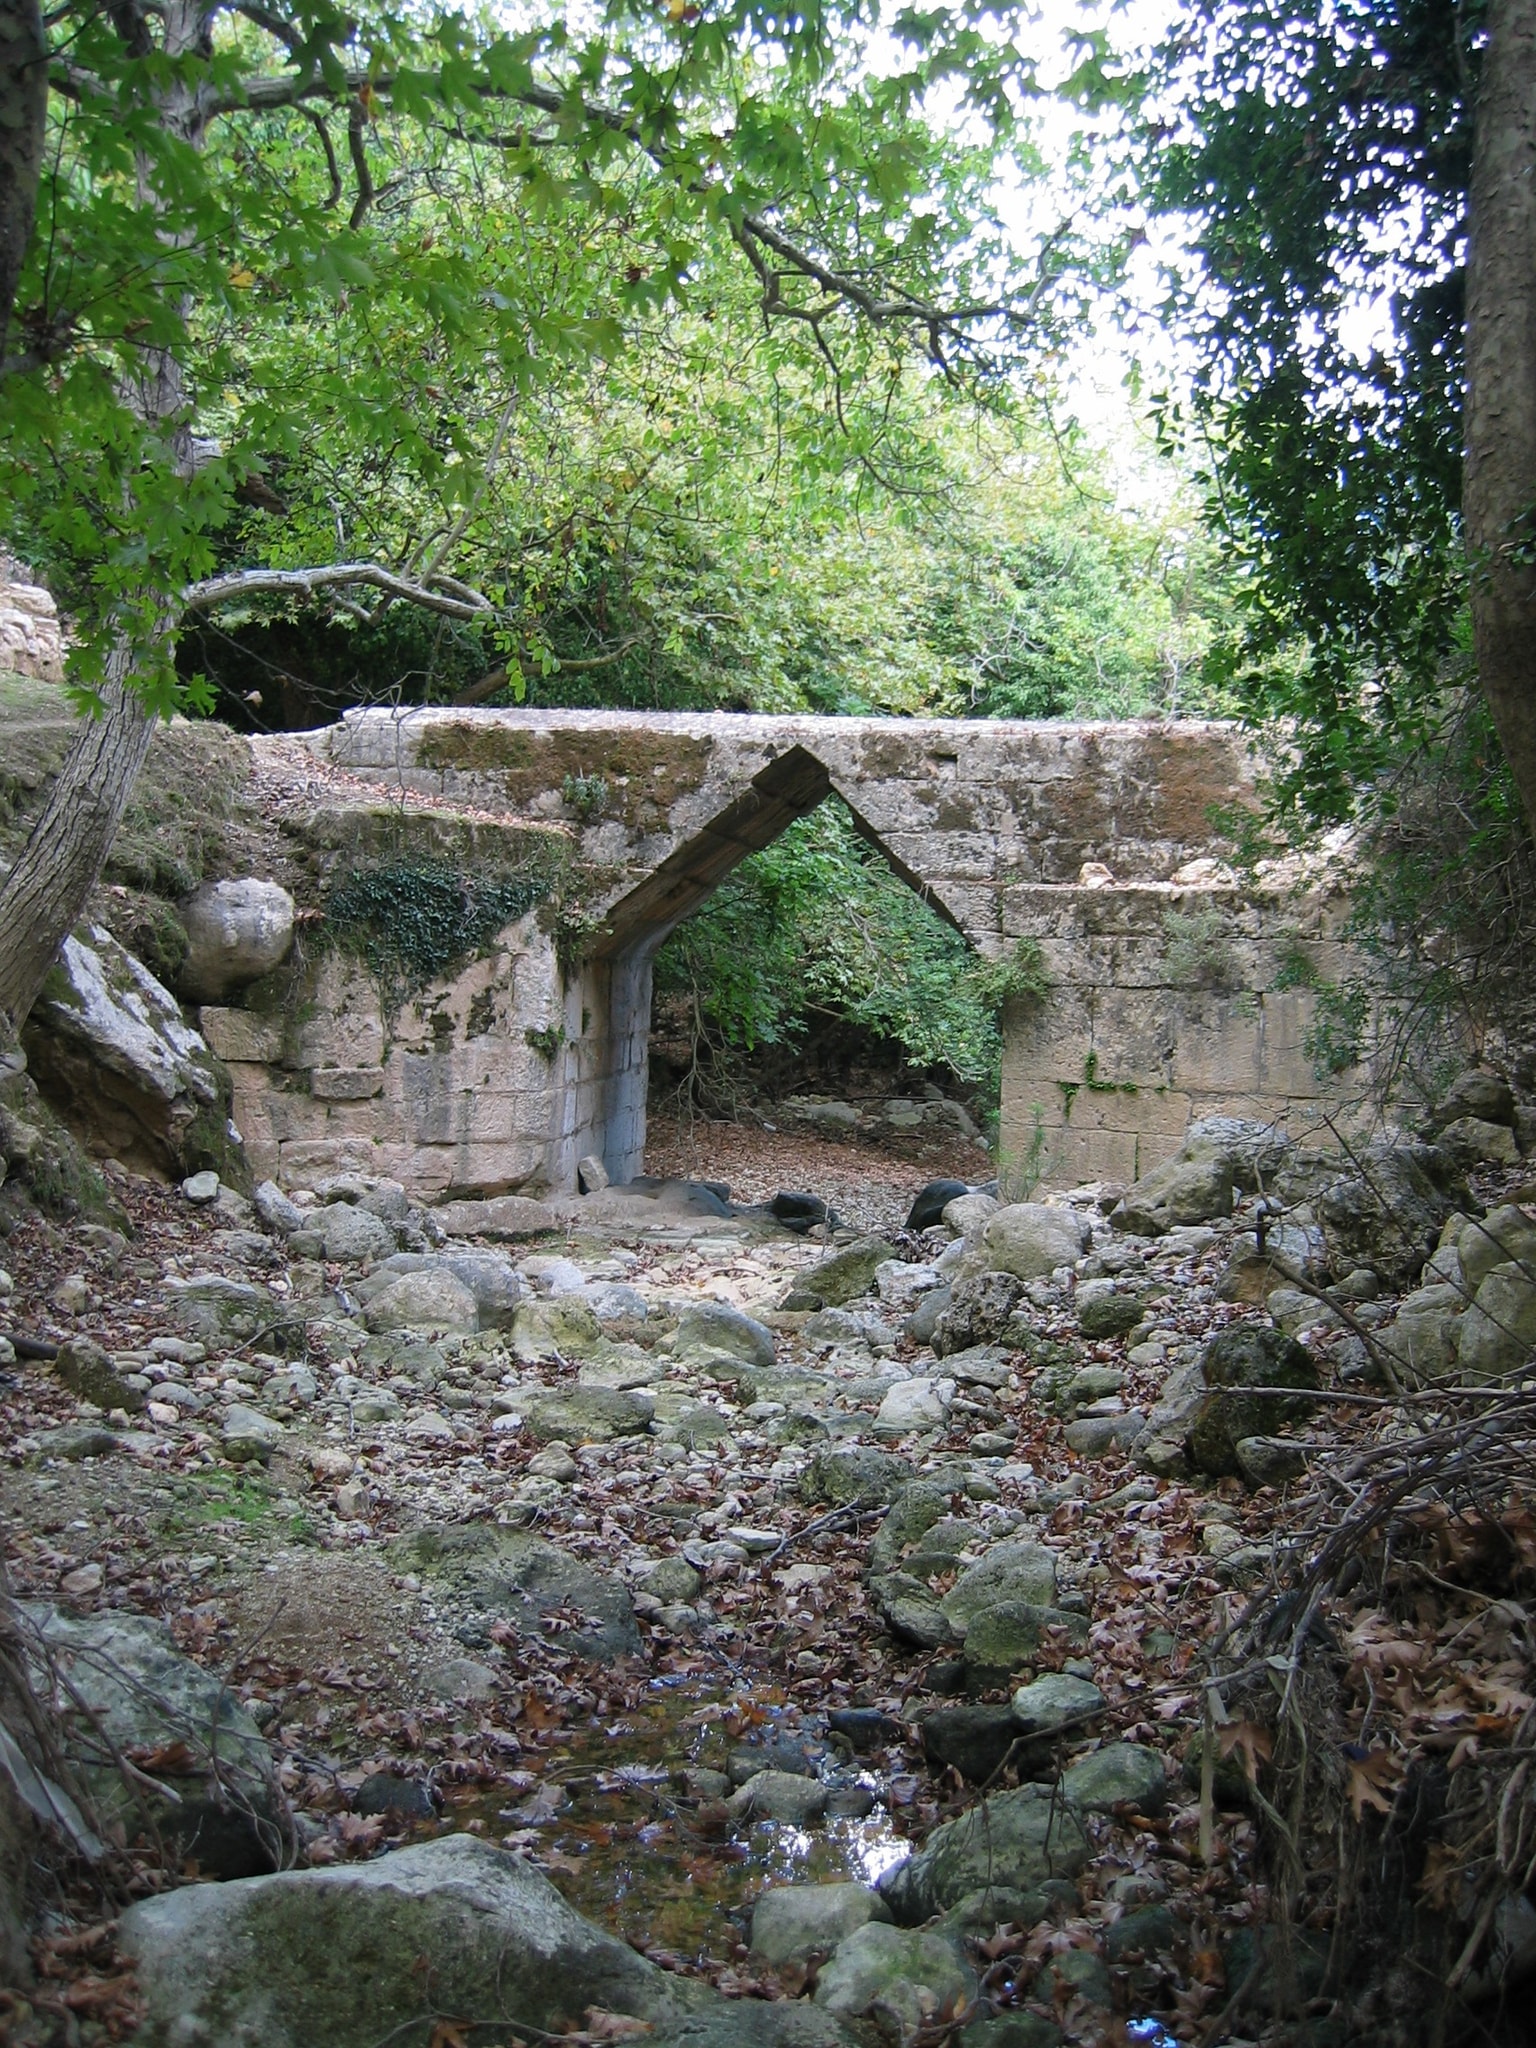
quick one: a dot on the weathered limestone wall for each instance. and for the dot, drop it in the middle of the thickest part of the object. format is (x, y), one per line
(1168, 1004)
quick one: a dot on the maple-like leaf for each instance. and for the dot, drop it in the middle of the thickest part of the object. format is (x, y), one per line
(1371, 1778)
(1251, 1741)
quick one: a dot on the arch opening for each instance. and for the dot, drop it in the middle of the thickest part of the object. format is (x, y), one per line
(620, 974)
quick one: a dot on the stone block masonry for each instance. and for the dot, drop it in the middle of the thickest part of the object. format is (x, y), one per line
(503, 1076)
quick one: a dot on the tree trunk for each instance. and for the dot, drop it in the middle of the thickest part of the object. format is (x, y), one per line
(46, 890)
(1499, 492)
(48, 887)
(23, 134)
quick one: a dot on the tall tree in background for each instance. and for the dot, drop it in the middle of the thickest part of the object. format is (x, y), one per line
(1331, 157)
(179, 220)
(1499, 491)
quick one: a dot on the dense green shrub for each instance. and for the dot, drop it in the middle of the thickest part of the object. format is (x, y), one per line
(818, 926)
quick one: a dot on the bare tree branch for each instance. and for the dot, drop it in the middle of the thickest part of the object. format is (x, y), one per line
(318, 122)
(217, 590)
(356, 120)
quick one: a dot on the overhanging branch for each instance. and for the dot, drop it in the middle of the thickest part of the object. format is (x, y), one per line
(217, 590)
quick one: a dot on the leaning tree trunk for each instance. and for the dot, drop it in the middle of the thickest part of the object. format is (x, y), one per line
(23, 135)
(1499, 492)
(47, 888)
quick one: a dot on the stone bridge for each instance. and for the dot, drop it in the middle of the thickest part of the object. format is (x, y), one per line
(1094, 840)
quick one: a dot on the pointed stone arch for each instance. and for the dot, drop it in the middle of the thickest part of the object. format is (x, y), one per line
(617, 977)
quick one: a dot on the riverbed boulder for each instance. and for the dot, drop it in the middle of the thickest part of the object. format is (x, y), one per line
(1017, 1839)
(1386, 1210)
(1008, 1571)
(1031, 1239)
(1182, 1190)
(794, 1921)
(555, 1328)
(841, 1278)
(222, 1313)
(120, 1686)
(588, 1415)
(842, 1476)
(1476, 1093)
(1236, 1365)
(1119, 1774)
(515, 1576)
(1506, 1235)
(1498, 1332)
(435, 1299)
(713, 1329)
(910, 1977)
(1424, 1337)
(980, 1311)
(349, 1955)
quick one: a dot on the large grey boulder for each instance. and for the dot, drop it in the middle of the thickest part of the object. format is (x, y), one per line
(1423, 1339)
(225, 1313)
(1015, 1839)
(981, 1310)
(1055, 1700)
(794, 1921)
(1237, 1362)
(1119, 1774)
(1477, 1093)
(1504, 1236)
(275, 1210)
(432, 1300)
(842, 1277)
(108, 1043)
(1180, 1191)
(354, 1955)
(1003, 1638)
(523, 1579)
(839, 1477)
(910, 1977)
(1031, 1239)
(494, 1283)
(115, 1684)
(558, 1328)
(1107, 1308)
(351, 1235)
(1008, 1571)
(588, 1415)
(502, 1218)
(1470, 1142)
(1498, 1332)
(715, 1330)
(1387, 1210)
(236, 932)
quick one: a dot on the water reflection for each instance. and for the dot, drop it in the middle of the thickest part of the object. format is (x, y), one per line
(614, 1829)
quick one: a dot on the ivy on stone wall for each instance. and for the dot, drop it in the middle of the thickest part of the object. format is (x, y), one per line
(414, 921)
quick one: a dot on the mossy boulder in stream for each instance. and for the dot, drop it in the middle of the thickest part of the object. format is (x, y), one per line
(1017, 1839)
(351, 1956)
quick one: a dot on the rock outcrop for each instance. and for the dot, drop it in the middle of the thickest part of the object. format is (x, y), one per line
(111, 1049)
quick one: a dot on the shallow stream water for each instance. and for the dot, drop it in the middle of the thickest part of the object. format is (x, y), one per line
(631, 1848)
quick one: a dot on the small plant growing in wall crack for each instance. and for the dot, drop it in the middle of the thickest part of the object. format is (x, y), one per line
(1200, 953)
(547, 1041)
(586, 795)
